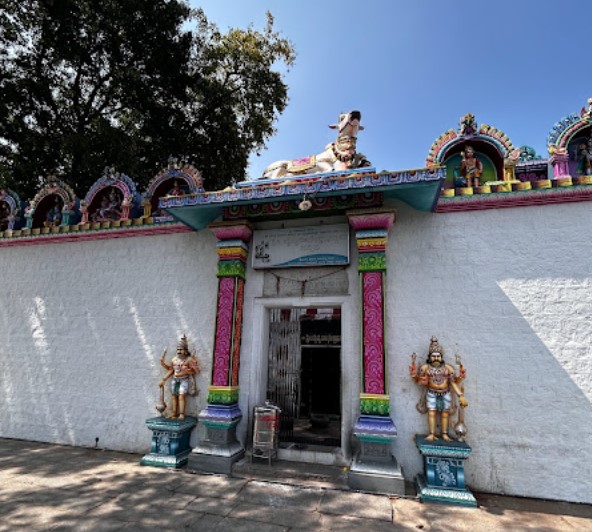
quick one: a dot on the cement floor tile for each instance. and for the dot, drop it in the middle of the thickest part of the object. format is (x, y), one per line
(246, 525)
(210, 486)
(357, 505)
(35, 517)
(454, 519)
(112, 509)
(348, 523)
(293, 517)
(410, 513)
(159, 518)
(148, 499)
(39, 501)
(578, 523)
(526, 521)
(500, 503)
(87, 524)
(204, 522)
(35, 479)
(280, 495)
(206, 505)
(201, 523)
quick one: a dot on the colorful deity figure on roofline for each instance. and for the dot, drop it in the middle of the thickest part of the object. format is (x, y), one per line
(585, 162)
(468, 124)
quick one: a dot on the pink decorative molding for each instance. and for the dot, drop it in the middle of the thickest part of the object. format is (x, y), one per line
(515, 199)
(98, 234)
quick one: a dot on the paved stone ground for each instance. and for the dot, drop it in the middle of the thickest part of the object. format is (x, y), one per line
(45, 486)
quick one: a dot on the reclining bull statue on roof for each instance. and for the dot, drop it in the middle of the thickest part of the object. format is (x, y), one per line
(338, 155)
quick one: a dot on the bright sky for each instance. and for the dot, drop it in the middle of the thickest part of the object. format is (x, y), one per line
(414, 67)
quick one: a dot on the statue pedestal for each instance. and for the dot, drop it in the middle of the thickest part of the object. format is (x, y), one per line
(374, 468)
(170, 442)
(444, 479)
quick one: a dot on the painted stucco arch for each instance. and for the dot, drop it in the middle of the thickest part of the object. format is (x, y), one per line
(488, 140)
(568, 128)
(40, 204)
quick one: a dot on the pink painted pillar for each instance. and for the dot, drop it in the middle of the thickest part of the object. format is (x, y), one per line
(560, 162)
(374, 467)
(220, 449)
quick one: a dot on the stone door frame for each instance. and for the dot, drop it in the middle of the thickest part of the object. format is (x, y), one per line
(256, 345)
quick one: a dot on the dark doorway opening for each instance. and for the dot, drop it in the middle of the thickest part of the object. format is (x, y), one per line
(304, 377)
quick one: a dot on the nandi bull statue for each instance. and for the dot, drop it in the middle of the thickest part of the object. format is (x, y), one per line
(338, 155)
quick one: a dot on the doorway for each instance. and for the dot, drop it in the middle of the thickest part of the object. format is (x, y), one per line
(304, 375)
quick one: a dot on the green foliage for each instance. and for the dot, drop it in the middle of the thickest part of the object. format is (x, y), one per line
(127, 83)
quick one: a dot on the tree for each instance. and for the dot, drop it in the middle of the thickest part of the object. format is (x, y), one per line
(127, 83)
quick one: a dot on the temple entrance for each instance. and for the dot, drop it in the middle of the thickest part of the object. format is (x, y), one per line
(304, 375)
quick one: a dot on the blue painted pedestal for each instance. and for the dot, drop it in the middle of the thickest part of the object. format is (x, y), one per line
(170, 442)
(444, 479)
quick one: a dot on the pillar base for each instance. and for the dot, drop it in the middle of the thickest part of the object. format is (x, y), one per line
(170, 442)
(377, 477)
(220, 448)
(374, 468)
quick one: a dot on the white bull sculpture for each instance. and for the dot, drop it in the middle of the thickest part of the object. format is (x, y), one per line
(338, 155)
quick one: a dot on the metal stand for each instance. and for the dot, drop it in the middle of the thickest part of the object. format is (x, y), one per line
(265, 431)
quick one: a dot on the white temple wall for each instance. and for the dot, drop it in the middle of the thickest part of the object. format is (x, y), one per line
(83, 327)
(511, 291)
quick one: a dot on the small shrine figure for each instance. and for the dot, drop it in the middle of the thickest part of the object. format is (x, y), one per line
(471, 167)
(4, 215)
(587, 111)
(585, 166)
(54, 215)
(439, 380)
(176, 190)
(182, 369)
(110, 208)
(468, 124)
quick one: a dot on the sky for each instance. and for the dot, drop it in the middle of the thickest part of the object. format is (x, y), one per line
(414, 67)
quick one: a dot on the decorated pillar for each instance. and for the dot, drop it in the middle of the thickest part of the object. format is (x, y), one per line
(374, 467)
(560, 162)
(220, 448)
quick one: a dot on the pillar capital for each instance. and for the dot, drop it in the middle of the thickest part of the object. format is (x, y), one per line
(369, 219)
(235, 230)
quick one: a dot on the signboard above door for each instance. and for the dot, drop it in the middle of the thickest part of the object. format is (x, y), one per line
(318, 245)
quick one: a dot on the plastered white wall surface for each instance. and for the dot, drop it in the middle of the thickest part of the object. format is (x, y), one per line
(511, 291)
(82, 329)
(83, 326)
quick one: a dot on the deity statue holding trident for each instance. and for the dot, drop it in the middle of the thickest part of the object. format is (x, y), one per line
(439, 380)
(182, 369)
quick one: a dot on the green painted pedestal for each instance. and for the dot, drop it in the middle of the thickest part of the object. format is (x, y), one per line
(170, 442)
(444, 479)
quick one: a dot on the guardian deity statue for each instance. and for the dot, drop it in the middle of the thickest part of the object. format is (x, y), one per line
(440, 381)
(182, 369)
